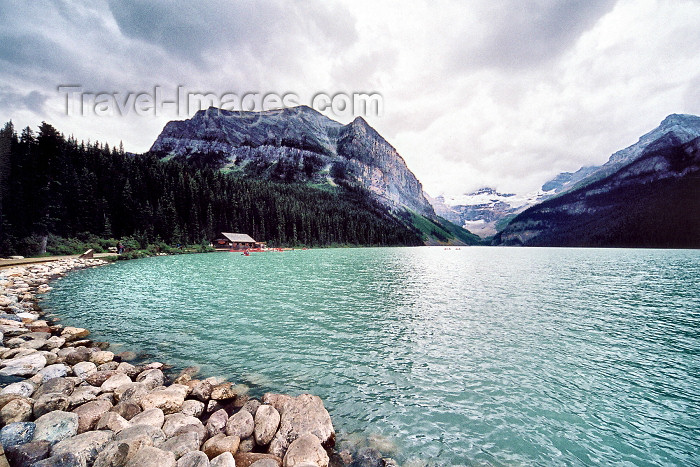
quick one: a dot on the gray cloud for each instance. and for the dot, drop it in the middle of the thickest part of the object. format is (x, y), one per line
(33, 101)
(522, 34)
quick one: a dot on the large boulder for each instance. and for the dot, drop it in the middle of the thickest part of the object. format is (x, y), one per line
(267, 420)
(175, 421)
(219, 444)
(17, 433)
(149, 456)
(191, 407)
(240, 424)
(153, 417)
(151, 378)
(27, 454)
(150, 435)
(57, 370)
(102, 356)
(112, 421)
(115, 381)
(223, 391)
(217, 422)
(83, 394)
(131, 392)
(55, 386)
(90, 413)
(300, 415)
(71, 333)
(182, 444)
(169, 400)
(66, 459)
(193, 459)
(18, 409)
(306, 450)
(84, 369)
(247, 459)
(50, 402)
(85, 446)
(127, 409)
(21, 388)
(223, 460)
(99, 377)
(56, 426)
(27, 365)
(202, 391)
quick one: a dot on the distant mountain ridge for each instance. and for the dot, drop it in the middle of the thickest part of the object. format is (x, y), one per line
(653, 201)
(486, 216)
(296, 144)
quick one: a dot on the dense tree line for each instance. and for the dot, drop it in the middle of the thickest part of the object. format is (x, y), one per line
(50, 184)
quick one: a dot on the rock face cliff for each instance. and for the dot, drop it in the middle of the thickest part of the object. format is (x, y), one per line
(295, 144)
(653, 201)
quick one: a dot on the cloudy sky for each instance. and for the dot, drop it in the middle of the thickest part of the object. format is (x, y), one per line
(476, 93)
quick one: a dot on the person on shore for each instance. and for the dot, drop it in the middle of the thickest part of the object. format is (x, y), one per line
(120, 248)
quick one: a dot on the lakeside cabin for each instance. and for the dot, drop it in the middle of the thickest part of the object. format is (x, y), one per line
(236, 241)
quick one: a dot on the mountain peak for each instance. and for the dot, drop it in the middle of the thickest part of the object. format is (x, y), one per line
(680, 119)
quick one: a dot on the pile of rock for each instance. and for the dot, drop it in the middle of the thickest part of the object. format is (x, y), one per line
(68, 401)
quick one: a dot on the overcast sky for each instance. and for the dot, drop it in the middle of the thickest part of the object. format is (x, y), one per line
(476, 93)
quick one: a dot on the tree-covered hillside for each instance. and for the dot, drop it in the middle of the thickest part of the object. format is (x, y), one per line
(50, 184)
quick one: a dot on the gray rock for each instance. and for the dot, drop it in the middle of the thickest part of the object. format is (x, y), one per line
(128, 410)
(84, 446)
(252, 406)
(114, 381)
(24, 366)
(118, 453)
(109, 366)
(217, 422)
(191, 407)
(112, 421)
(267, 420)
(90, 413)
(71, 333)
(132, 392)
(306, 450)
(202, 391)
(169, 399)
(57, 370)
(177, 420)
(102, 356)
(17, 410)
(223, 460)
(27, 454)
(84, 369)
(247, 445)
(240, 424)
(201, 431)
(193, 459)
(55, 342)
(99, 377)
(21, 388)
(220, 444)
(56, 426)
(50, 402)
(74, 355)
(149, 456)
(151, 378)
(153, 417)
(223, 391)
(35, 344)
(182, 444)
(17, 433)
(55, 386)
(83, 394)
(128, 369)
(302, 414)
(67, 459)
(151, 435)
(265, 463)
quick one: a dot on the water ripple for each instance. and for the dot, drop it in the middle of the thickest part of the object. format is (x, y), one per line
(479, 356)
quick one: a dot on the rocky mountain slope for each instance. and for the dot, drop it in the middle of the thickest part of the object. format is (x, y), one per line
(652, 201)
(485, 211)
(295, 144)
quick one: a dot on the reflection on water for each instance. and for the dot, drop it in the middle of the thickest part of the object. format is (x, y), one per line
(472, 356)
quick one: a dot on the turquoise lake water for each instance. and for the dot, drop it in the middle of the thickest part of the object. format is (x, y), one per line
(477, 356)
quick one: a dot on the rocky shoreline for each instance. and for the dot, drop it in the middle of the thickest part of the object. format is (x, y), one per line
(68, 401)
